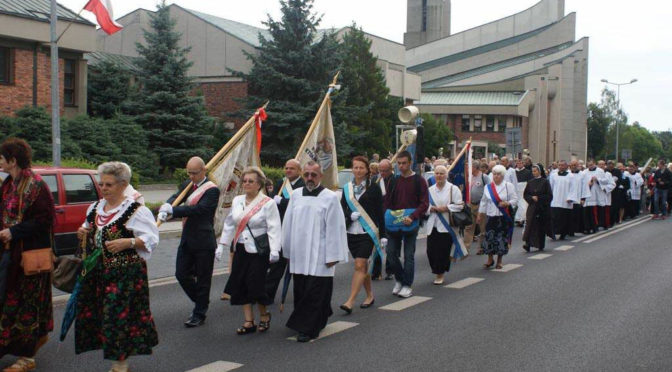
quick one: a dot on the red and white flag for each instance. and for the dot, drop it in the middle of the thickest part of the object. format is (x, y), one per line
(103, 11)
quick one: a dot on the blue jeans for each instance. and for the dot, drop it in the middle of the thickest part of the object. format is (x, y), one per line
(660, 200)
(405, 273)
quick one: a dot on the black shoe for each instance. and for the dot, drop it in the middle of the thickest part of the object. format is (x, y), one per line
(563, 237)
(348, 310)
(366, 306)
(194, 321)
(302, 337)
(526, 248)
(389, 277)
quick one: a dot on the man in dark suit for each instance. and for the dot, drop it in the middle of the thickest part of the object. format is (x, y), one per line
(277, 269)
(196, 252)
(385, 173)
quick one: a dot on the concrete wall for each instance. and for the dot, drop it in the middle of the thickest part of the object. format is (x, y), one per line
(79, 37)
(559, 33)
(541, 14)
(437, 22)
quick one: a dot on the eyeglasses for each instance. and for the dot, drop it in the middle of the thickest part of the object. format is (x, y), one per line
(310, 175)
(107, 184)
(248, 181)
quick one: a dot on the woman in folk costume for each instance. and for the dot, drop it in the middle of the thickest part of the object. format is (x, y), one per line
(112, 308)
(253, 228)
(444, 197)
(538, 195)
(27, 209)
(499, 197)
(362, 203)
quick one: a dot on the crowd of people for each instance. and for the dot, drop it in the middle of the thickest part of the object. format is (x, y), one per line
(294, 229)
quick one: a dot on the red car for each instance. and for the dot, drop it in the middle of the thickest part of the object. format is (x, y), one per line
(73, 190)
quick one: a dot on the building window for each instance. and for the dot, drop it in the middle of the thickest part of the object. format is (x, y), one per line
(69, 81)
(5, 65)
(466, 122)
(501, 125)
(424, 15)
(478, 123)
(490, 124)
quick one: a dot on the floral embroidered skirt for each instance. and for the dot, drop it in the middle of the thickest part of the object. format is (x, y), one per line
(26, 316)
(113, 311)
(496, 240)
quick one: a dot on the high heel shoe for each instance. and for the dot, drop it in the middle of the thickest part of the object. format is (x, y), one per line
(245, 330)
(264, 325)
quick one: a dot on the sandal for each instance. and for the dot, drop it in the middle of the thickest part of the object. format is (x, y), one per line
(498, 267)
(264, 325)
(21, 365)
(487, 266)
(245, 330)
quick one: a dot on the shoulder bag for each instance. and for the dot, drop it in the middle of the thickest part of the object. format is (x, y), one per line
(462, 218)
(261, 242)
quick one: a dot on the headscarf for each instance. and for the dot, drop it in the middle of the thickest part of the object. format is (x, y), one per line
(18, 196)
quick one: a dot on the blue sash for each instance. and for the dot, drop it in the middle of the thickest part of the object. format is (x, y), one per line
(458, 250)
(286, 189)
(494, 196)
(364, 218)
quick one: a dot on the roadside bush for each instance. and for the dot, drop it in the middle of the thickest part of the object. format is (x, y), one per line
(180, 175)
(272, 173)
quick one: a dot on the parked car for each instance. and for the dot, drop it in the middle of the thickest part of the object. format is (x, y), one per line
(344, 176)
(73, 190)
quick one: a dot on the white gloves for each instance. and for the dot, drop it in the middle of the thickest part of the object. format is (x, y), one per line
(277, 199)
(167, 208)
(163, 216)
(383, 242)
(219, 252)
(354, 216)
(274, 257)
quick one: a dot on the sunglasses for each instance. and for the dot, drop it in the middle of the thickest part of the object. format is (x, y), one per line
(248, 181)
(310, 175)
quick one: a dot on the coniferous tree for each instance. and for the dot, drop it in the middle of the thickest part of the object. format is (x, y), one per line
(108, 88)
(176, 121)
(292, 70)
(364, 84)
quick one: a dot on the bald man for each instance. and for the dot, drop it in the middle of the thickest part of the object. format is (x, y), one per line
(196, 252)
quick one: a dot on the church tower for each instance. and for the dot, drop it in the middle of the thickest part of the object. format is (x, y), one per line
(426, 20)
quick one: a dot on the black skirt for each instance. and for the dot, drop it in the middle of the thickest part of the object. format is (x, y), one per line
(247, 282)
(438, 251)
(360, 245)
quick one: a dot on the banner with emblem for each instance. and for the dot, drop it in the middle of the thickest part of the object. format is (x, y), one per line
(319, 144)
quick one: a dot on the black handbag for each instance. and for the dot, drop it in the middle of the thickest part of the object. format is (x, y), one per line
(261, 242)
(66, 270)
(462, 218)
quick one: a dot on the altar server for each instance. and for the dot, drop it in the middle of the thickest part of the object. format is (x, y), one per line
(564, 197)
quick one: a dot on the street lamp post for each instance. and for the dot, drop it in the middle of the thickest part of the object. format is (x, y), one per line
(618, 100)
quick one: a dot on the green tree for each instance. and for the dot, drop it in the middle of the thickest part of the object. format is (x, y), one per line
(292, 71)
(598, 124)
(93, 138)
(176, 121)
(108, 88)
(364, 85)
(642, 143)
(436, 135)
(665, 139)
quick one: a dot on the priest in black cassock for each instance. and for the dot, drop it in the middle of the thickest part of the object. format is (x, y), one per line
(538, 195)
(313, 240)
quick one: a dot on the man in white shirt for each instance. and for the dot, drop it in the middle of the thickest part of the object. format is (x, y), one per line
(314, 241)
(564, 196)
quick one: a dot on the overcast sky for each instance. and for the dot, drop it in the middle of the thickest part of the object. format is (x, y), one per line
(627, 39)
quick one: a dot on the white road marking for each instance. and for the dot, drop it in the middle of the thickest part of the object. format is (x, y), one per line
(218, 366)
(617, 230)
(330, 329)
(540, 256)
(464, 283)
(579, 240)
(508, 267)
(405, 303)
(564, 248)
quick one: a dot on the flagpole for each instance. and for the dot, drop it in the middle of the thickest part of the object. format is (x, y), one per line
(220, 155)
(68, 26)
(313, 125)
(459, 155)
(55, 87)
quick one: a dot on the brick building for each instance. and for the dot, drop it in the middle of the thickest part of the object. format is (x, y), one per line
(25, 67)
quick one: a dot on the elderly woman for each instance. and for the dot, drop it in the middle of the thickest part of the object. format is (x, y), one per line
(362, 203)
(27, 210)
(444, 198)
(538, 195)
(499, 197)
(253, 228)
(113, 311)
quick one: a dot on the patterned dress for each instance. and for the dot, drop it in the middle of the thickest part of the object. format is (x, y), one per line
(27, 209)
(113, 306)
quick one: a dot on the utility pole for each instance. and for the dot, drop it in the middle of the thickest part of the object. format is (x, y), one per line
(55, 104)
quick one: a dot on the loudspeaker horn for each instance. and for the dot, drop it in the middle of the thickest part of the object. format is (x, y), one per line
(407, 114)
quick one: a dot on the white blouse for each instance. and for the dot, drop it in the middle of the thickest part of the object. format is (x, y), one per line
(451, 196)
(265, 221)
(506, 191)
(141, 223)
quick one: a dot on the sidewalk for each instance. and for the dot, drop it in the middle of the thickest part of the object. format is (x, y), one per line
(170, 229)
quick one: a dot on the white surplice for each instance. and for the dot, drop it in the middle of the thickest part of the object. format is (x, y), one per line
(564, 190)
(313, 233)
(264, 221)
(636, 182)
(141, 223)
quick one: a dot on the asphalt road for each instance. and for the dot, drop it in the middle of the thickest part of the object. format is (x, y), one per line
(601, 305)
